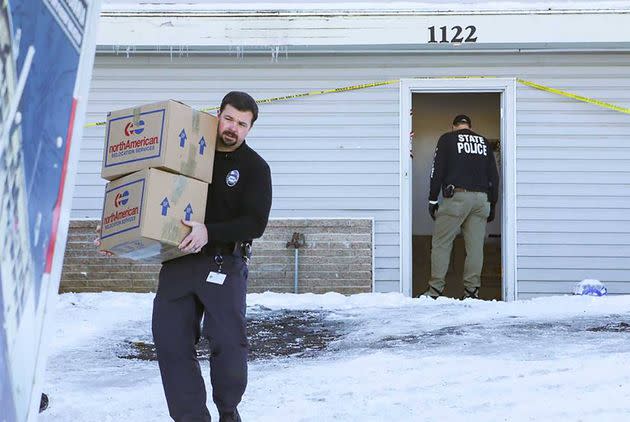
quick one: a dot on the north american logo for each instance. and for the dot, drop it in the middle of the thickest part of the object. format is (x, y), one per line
(121, 199)
(131, 128)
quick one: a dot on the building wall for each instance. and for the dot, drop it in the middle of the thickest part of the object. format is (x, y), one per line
(337, 255)
(337, 155)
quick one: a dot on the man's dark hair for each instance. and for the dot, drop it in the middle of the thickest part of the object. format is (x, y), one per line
(462, 118)
(241, 101)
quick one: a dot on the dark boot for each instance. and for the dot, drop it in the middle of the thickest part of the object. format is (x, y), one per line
(43, 403)
(471, 294)
(433, 293)
(230, 417)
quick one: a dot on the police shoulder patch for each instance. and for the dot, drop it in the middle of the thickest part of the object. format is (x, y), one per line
(232, 178)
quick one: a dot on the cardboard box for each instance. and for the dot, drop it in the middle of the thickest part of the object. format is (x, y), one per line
(167, 135)
(142, 214)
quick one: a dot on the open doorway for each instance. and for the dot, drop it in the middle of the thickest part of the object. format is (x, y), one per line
(503, 88)
(432, 116)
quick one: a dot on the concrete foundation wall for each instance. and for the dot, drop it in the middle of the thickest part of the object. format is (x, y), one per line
(337, 256)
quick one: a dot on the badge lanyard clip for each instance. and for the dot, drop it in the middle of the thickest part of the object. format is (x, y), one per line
(218, 259)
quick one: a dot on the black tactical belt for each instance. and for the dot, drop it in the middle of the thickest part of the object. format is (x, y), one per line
(466, 190)
(241, 249)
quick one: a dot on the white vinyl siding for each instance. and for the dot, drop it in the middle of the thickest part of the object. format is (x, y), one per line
(337, 155)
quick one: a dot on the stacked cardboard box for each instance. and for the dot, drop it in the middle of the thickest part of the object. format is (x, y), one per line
(158, 159)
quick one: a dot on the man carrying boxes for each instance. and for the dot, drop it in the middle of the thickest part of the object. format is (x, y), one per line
(210, 280)
(169, 150)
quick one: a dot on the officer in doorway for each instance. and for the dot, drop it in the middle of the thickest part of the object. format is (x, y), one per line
(465, 170)
(211, 281)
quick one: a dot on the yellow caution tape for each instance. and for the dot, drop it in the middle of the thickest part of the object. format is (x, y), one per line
(393, 81)
(574, 96)
(327, 91)
(300, 95)
(94, 124)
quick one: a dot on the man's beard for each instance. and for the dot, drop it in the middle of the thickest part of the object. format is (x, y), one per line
(228, 142)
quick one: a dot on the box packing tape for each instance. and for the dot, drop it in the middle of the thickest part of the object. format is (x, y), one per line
(189, 165)
(195, 120)
(136, 115)
(174, 231)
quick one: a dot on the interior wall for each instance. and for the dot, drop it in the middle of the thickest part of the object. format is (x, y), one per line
(432, 116)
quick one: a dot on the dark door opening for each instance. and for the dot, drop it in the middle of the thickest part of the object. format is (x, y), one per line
(432, 116)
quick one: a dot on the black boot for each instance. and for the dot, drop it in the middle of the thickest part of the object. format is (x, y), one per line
(433, 293)
(230, 417)
(471, 294)
(43, 403)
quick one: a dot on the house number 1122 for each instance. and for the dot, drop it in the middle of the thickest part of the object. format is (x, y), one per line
(457, 34)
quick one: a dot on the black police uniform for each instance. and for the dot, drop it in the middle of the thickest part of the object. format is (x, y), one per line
(239, 200)
(465, 160)
(465, 169)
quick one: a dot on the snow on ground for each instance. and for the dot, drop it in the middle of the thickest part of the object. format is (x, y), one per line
(393, 358)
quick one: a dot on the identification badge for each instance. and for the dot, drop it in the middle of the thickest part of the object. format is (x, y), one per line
(216, 278)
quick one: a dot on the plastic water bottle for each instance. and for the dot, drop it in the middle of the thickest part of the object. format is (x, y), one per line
(590, 287)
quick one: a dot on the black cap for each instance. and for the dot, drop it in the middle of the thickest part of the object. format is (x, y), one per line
(462, 118)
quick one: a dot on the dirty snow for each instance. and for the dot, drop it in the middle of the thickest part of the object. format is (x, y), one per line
(559, 358)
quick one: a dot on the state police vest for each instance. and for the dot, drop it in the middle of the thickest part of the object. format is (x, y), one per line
(471, 144)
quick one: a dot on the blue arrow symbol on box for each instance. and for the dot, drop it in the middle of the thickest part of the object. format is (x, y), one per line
(182, 138)
(202, 145)
(165, 206)
(188, 212)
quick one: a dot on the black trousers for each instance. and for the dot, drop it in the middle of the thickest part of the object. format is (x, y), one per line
(183, 298)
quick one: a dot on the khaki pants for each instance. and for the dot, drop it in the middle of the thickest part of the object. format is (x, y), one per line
(468, 210)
